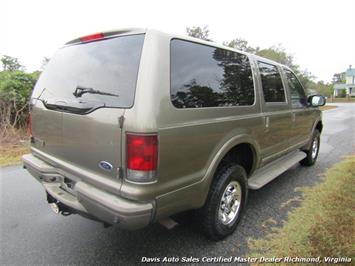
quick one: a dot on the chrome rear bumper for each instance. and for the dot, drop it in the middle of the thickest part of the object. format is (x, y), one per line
(89, 200)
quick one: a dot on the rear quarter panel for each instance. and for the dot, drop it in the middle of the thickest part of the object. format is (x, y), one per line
(189, 139)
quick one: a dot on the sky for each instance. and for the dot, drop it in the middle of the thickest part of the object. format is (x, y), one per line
(319, 34)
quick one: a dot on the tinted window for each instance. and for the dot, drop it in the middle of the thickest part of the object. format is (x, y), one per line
(271, 82)
(109, 65)
(205, 76)
(298, 97)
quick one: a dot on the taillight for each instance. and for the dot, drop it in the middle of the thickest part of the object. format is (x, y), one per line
(141, 157)
(92, 37)
(29, 126)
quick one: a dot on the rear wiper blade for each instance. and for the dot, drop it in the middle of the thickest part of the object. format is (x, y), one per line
(79, 91)
(38, 98)
(78, 107)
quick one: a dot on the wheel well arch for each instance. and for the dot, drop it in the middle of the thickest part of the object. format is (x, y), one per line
(319, 126)
(243, 154)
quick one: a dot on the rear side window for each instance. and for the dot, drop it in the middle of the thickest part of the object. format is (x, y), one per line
(298, 97)
(109, 65)
(271, 83)
(206, 76)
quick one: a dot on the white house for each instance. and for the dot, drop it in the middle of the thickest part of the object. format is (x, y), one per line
(349, 84)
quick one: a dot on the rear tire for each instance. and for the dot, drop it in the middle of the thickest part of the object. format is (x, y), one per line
(225, 202)
(312, 153)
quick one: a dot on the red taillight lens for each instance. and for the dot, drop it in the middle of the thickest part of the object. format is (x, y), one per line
(92, 37)
(142, 152)
(29, 126)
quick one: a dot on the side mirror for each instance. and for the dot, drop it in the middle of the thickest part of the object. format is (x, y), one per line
(316, 100)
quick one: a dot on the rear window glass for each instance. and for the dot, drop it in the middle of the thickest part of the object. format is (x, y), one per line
(271, 82)
(110, 66)
(206, 76)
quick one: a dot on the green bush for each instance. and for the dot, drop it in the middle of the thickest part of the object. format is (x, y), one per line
(341, 93)
(15, 90)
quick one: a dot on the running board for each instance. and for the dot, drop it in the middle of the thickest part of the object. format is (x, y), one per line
(270, 171)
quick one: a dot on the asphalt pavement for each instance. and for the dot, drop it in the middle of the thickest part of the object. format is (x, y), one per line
(31, 234)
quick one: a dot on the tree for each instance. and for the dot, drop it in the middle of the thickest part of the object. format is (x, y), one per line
(198, 32)
(278, 54)
(10, 63)
(339, 78)
(15, 89)
(242, 45)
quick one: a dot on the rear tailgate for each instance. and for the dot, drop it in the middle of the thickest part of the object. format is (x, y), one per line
(82, 130)
(81, 140)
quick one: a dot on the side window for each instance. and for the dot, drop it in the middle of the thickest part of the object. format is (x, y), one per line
(206, 76)
(298, 97)
(272, 83)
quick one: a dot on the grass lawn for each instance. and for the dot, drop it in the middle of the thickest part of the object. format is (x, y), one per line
(12, 147)
(327, 107)
(322, 226)
(341, 100)
(11, 155)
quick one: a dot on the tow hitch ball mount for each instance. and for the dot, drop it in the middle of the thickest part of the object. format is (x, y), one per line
(58, 207)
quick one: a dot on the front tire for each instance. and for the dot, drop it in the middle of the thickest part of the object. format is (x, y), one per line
(225, 202)
(312, 153)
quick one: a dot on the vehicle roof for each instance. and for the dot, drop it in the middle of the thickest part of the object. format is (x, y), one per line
(211, 43)
(128, 31)
(109, 33)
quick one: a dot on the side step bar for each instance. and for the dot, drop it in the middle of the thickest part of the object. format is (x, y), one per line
(270, 171)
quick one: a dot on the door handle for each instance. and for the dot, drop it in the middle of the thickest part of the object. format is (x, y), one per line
(267, 122)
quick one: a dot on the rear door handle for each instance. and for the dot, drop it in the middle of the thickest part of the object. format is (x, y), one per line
(267, 122)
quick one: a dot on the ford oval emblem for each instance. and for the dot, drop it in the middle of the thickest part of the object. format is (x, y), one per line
(105, 166)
